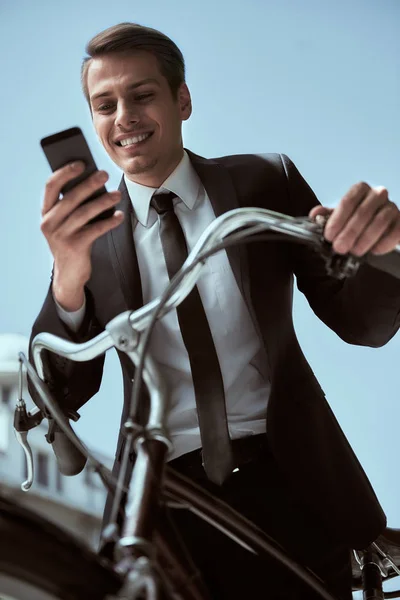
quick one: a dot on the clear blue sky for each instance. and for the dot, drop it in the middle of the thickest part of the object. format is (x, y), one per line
(316, 79)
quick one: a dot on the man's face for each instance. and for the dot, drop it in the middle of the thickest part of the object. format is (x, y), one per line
(135, 115)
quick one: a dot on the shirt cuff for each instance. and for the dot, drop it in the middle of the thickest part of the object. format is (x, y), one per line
(73, 319)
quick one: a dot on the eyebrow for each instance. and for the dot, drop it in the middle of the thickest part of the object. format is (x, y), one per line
(130, 87)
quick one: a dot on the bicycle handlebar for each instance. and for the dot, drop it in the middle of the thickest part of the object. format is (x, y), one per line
(259, 220)
(121, 331)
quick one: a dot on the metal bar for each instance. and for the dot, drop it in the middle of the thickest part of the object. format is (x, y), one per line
(143, 499)
(76, 352)
(371, 575)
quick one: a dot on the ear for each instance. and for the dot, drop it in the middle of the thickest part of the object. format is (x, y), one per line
(185, 102)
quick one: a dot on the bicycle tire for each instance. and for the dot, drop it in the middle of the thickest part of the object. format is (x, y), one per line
(13, 588)
(37, 557)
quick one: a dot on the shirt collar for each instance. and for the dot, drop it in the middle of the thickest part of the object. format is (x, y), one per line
(183, 181)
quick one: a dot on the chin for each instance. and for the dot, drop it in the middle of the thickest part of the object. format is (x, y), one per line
(139, 165)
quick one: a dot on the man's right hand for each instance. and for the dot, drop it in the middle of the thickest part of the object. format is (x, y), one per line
(70, 237)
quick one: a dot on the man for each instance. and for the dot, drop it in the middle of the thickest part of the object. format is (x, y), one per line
(277, 453)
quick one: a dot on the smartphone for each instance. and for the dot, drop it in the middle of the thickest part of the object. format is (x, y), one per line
(68, 146)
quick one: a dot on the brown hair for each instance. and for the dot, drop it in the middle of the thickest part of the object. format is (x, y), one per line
(128, 37)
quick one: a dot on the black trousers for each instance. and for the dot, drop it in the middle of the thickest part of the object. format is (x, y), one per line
(260, 492)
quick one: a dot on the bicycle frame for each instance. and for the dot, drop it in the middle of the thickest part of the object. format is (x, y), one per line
(150, 481)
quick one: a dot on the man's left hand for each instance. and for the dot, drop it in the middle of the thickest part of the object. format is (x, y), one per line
(364, 221)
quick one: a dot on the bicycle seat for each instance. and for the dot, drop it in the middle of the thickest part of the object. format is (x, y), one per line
(389, 543)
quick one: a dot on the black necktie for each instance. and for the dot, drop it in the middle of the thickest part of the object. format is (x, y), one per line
(206, 372)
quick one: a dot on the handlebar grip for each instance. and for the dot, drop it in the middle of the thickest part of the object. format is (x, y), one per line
(390, 262)
(70, 459)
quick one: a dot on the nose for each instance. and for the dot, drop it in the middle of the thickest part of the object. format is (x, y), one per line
(126, 115)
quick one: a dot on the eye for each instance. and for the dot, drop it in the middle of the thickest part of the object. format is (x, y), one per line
(144, 96)
(104, 107)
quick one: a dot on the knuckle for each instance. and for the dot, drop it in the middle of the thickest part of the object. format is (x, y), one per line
(362, 186)
(57, 180)
(352, 231)
(348, 200)
(44, 226)
(50, 184)
(364, 211)
(45, 223)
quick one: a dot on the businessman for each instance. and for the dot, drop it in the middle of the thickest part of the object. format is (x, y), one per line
(248, 420)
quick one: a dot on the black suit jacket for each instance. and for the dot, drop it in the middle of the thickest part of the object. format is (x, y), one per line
(303, 433)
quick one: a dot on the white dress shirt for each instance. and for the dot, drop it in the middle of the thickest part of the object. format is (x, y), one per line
(238, 347)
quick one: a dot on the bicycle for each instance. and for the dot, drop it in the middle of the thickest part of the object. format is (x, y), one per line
(38, 560)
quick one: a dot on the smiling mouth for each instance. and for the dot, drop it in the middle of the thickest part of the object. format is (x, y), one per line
(134, 140)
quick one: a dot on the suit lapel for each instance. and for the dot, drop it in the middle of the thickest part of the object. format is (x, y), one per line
(221, 191)
(123, 253)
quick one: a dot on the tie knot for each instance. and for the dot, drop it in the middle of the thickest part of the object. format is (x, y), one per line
(163, 203)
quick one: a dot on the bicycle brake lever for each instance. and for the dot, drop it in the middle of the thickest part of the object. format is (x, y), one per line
(22, 438)
(23, 422)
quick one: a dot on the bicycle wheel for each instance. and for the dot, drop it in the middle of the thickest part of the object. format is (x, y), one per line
(39, 561)
(12, 588)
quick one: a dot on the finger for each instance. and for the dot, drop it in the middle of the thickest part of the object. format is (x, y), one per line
(81, 192)
(390, 240)
(96, 230)
(57, 181)
(63, 209)
(366, 224)
(319, 211)
(379, 227)
(343, 212)
(88, 211)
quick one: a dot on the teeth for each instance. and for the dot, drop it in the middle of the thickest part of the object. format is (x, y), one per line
(134, 140)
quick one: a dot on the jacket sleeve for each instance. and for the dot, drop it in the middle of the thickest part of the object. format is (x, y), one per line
(363, 309)
(71, 383)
